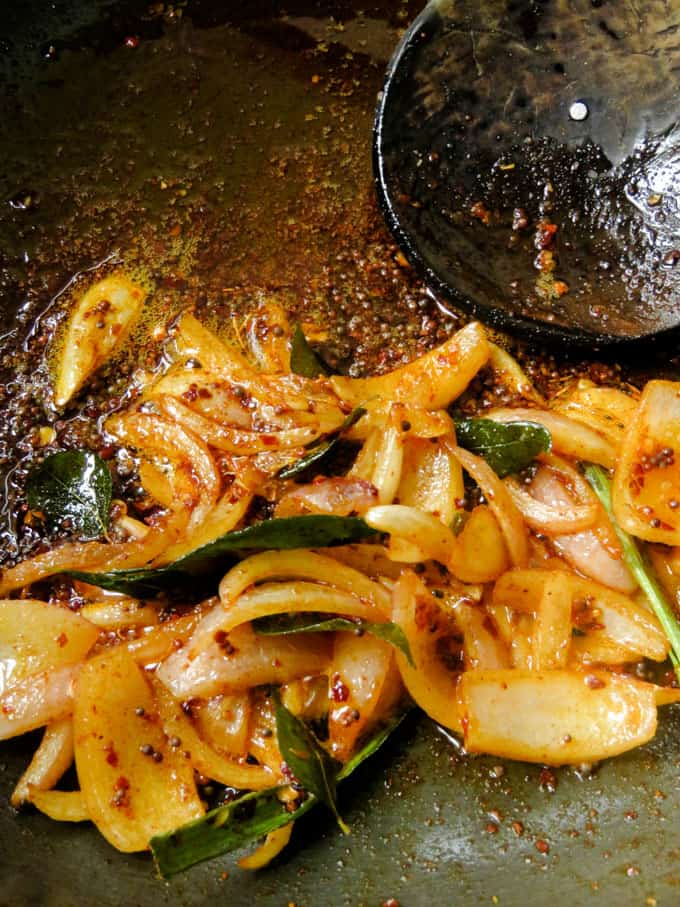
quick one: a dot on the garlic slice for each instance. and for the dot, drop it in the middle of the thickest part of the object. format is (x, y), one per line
(100, 321)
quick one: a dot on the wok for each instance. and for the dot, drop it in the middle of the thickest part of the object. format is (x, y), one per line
(224, 150)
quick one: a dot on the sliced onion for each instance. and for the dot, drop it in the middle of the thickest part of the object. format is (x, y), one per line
(129, 796)
(547, 516)
(389, 456)
(271, 847)
(358, 671)
(211, 763)
(431, 478)
(52, 758)
(552, 627)
(555, 717)
(646, 487)
(300, 564)
(428, 535)
(430, 683)
(295, 597)
(36, 701)
(482, 646)
(432, 381)
(585, 550)
(256, 660)
(269, 337)
(238, 440)
(339, 496)
(194, 476)
(60, 805)
(498, 497)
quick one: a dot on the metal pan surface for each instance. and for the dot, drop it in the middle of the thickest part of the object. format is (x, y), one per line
(225, 150)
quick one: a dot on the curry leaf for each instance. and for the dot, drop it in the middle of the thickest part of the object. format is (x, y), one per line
(321, 448)
(506, 446)
(309, 531)
(286, 624)
(72, 485)
(246, 820)
(303, 359)
(309, 762)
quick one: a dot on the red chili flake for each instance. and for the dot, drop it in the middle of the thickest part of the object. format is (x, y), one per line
(481, 212)
(542, 846)
(593, 682)
(269, 440)
(518, 829)
(222, 640)
(548, 780)
(390, 902)
(111, 754)
(121, 796)
(61, 640)
(465, 725)
(339, 690)
(131, 41)
(545, 235)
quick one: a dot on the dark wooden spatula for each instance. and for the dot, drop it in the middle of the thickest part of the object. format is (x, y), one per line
(527, 158)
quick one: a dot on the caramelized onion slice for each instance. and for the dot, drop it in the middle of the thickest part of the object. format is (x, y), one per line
(498, 497)
(555, 717)
(431, 381)
(211, 763)
(37, 700)
(52, 758)
(646, 487)
(359, 669)
(130, 794)
(596, 551)
(431, 684)
(300, 564)
(35, 637)
(600, 612)
(61, 805)
(242, 660)
(340, 496)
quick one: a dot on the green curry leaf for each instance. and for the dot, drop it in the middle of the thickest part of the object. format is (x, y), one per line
(245, 820)
(303, 359)
(74, 486)
(309, 531)
(309, 762)
(506, 446)
(286, 624)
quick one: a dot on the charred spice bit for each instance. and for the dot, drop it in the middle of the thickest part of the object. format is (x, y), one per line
(520, 221)
(222, 640)
(481, 212)
(547, 780)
